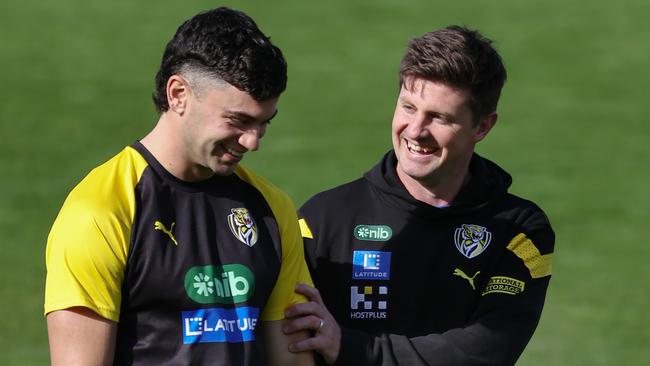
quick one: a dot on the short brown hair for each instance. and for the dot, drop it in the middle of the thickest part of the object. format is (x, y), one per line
(459, 57)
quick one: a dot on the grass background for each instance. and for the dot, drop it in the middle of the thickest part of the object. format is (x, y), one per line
(573, 131)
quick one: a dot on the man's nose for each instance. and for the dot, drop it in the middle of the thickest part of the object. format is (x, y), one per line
(418, 127)
(250, 139)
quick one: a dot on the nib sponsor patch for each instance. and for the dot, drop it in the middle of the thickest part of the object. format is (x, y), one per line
(227, 284)
(373, 232)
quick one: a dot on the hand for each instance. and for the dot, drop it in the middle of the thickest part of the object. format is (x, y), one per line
(313, 316)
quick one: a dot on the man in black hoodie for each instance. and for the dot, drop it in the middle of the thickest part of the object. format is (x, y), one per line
(427, 259)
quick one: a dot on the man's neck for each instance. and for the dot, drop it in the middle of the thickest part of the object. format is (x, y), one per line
(435, 192)
(164, 143)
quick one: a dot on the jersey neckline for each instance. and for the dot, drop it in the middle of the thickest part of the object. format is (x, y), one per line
(173, 180)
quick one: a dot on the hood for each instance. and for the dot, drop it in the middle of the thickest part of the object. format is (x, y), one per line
(488, 183)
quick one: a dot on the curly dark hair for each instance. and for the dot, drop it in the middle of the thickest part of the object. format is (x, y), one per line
(460, 57)
(227, 45)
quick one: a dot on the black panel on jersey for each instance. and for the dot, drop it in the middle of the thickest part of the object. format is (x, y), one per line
(154, 293)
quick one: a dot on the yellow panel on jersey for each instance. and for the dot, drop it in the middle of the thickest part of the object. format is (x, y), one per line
(293, 269)
(88, 245)
(304, 229)
(539, 265)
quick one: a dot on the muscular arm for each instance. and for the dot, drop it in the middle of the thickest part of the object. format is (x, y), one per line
(78, 336)
(277, 345)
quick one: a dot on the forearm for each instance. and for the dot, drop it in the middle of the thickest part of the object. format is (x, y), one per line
(277, 346)
(490, 341)
(78, 336)
(495, 334)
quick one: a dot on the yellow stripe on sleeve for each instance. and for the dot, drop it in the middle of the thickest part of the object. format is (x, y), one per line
(304, 229)
(539, 265)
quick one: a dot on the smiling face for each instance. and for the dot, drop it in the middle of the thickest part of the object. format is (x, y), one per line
(434, 134)
(222, 123)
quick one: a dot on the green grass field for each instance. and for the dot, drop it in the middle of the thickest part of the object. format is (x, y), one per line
(573, 131)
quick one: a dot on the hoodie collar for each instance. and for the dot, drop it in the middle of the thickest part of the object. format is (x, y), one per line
(487, 183)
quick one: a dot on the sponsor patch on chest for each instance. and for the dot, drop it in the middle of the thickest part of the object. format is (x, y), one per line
(212, 325)
(373, 232)
(368, 302)
(227, 284)
(370, 265)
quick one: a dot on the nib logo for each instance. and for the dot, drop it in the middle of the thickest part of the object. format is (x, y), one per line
(373, 232)
(227, 284)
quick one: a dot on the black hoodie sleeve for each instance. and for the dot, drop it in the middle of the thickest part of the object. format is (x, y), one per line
(497, 337)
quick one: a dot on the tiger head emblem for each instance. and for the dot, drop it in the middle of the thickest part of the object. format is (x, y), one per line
(472, 240)
(242, 226)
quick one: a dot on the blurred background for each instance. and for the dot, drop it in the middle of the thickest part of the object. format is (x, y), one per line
(573, 131)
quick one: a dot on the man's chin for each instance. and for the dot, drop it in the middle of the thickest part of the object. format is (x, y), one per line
(421, 173)
(220, 168)
(225, 171)
(417, 169)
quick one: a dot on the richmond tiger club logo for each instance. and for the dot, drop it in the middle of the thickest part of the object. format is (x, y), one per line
(472, 240)
(242, 226)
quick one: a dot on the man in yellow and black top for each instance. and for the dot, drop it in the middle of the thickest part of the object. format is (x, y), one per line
(428, 259)
(171, 252)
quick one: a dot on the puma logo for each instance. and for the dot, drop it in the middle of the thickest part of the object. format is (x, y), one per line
(458, 272)
(160, 226)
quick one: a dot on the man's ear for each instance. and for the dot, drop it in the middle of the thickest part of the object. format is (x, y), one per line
(484, 126)
(178, 91)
